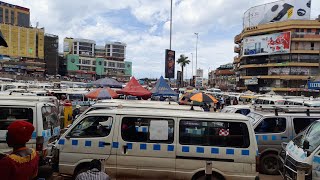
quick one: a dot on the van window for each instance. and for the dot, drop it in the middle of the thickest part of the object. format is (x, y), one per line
(136, 129)
(11, 114)
(312, 136)
(50, 117)
(271, 125)
(243, 111)
(301, 123)
(218, 133)
(92, 126)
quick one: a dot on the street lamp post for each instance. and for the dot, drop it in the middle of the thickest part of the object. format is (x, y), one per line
(197, 34)
(170, 24)
(192, 64)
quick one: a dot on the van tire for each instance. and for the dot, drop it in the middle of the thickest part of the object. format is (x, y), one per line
(269, 164)
(80, 169)
(201, 176)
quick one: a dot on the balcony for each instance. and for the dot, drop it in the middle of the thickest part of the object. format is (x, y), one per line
(303, 36)
(237, 39)
(237, 49)
(284, 77)
(284, 64)
(303, 51)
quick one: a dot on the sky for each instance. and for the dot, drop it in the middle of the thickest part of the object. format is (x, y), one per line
(144, 26)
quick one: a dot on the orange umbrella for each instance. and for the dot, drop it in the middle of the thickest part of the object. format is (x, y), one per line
(204, 98)
(102, 93)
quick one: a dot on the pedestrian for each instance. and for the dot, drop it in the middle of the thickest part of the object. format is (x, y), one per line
(222, 102)
(205, 107)
(22, 162)
(235, 101)
(94, 172)
(76, 112)
(218, 105)
(228, 101)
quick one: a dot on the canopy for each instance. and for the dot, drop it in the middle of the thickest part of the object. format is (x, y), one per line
(133, 88)
(163, 89)
(102, 93)
(107, 82)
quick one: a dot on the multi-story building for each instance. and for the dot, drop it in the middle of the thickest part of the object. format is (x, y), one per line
(51, 51)
(14, 15)
(86, 60)
(223, 78)
(25, 51)
(290, 59)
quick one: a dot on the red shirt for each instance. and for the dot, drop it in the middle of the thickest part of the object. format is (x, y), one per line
(15, 167)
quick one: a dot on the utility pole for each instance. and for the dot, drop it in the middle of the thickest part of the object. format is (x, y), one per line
(197, 34)
(192, 63)
(170, 24)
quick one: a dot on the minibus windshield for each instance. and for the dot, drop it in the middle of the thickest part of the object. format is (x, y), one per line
(311, 136)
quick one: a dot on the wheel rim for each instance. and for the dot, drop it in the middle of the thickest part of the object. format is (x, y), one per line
(271, 164)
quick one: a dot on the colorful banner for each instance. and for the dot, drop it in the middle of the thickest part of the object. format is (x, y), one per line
(278, 43)
(303, 71)
(169, 63)
(277, 11)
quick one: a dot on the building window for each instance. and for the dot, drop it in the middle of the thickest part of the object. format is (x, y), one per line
(312, 46)
(1, 15)
(309, 30)
(120, 65)
(7, 15)
(296, 46)
(318, 31)
(301, 30)
(112, 64)
(93, 62)
(105, 63)
(12, 17)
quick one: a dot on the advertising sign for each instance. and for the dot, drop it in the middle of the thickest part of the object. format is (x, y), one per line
(250, 82)
(314, 85)
(277, 43)
(198, 82)
(277, 11)
(303, 71)
(169, 63)
(199, 73)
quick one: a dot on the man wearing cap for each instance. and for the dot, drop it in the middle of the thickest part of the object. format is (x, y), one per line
(22, 162)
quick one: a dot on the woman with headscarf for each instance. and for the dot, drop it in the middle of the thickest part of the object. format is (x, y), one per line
(22, 162)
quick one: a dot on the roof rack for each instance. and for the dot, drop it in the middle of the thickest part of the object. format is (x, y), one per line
(288, 109)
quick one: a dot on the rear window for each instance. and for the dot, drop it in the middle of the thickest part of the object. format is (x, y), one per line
(11, 114)
(50, 117)
(218, 133)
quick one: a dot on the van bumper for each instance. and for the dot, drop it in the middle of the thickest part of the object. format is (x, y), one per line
(242, 176)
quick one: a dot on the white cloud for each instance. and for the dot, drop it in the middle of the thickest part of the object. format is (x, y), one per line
(147, 30)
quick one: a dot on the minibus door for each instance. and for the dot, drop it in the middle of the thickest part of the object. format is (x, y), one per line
(146, 148)
(316, 166)
(91, 138)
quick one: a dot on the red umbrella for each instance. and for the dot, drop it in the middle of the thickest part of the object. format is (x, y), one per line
(102, 93)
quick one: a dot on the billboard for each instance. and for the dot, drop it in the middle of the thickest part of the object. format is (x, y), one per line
(277, 43)
(170, 63)
(277, 11)
(198, 82)
(251, 82)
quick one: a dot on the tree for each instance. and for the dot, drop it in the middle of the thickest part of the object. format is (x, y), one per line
(183, 61)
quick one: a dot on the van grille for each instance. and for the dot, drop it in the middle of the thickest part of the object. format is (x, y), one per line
(291, 169)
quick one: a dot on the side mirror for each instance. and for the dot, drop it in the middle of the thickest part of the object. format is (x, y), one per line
(306, 144)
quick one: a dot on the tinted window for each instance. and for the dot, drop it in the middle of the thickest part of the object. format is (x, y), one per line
(221, 134)
(301, 123)
(271, 125)
(93, 126)
(11, 114)
(136, 129)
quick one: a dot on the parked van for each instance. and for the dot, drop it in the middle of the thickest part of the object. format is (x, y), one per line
(303, 152)
(272, 127)
(42, 115)
(270, 100)
(48, 99)
(162, 144)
